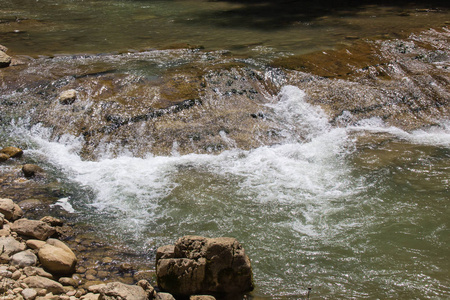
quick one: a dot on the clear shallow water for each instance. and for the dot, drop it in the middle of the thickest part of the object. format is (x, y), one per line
(359, 211)
(33, 27)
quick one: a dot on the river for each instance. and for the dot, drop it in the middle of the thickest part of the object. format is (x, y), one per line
(348, 209)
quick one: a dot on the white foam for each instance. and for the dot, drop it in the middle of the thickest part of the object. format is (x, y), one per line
(64, 204)
(434, 135)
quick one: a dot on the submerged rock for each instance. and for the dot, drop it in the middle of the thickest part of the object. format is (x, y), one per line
(68, 97)
(13, 152)
(30, 170)
(3, 157)
(202, 265)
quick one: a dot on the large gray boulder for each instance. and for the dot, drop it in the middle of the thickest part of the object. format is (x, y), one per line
(10, 246)
(32, 228)
(57, 257)
(199, 265)
(24, 259)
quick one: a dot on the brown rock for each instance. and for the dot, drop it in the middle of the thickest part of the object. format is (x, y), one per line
(7, 208)
(30, 170)
(164, 296)
(33, 271)
(5, 60)
(38, 282)
(68, 281)
(18, 213)
(167, 251)
(13, 152)
(57, 257)
(204, 266)
(202, 297)
(32, 228)
(52, 221)
(148, 288)
(35, 244)
(3, 157)
(118, 290)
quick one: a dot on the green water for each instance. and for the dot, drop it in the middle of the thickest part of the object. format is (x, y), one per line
(351, 212)
(54, 27)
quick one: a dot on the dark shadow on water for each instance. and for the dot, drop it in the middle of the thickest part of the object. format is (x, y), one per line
(273, 15)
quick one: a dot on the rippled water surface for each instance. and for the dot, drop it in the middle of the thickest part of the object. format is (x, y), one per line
(261, 28)
(358, 210)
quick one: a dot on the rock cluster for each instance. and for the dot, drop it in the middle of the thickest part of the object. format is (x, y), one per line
(199, 265)
(33, 265)
(29, 170)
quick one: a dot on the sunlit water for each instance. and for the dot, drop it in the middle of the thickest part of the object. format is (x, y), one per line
(340, 213)
(357, 211)
(34, 27)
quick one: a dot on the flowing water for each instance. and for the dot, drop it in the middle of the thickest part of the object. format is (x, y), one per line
(358, 210)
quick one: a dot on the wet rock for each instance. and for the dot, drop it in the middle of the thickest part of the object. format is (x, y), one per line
(3, 157)
(24, 259)
(204, 266)
(44, 283)
(68, 97)
(5, 60)
(31, 170)
(57, 257)
(52, 221)
(31, 228)
(13, 152)
(118, 290)
(3, 48)
(31, 204)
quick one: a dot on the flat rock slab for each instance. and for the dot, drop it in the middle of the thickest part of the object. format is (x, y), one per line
(31, 228)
